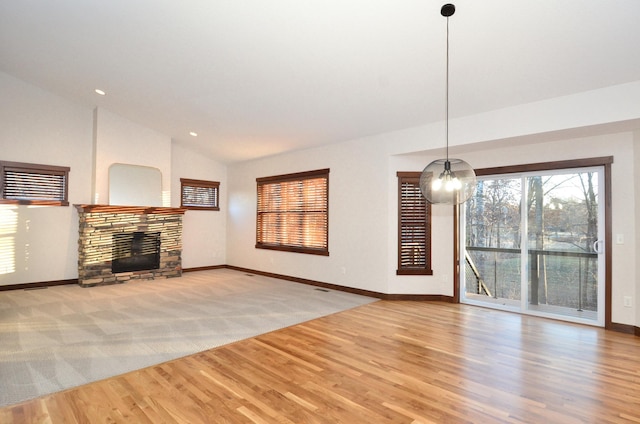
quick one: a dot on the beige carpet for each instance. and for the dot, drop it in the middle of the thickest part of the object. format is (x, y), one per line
(61, 337)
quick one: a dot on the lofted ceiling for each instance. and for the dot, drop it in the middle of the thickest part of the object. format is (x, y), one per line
(255, 77)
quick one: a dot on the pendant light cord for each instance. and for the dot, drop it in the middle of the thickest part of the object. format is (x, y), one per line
(446, 114)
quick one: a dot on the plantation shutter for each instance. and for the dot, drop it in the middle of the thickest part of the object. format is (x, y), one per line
(34, 184)
(293, 212)
(414, 226)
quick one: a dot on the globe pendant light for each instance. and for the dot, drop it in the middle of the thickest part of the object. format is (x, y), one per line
(447, 181)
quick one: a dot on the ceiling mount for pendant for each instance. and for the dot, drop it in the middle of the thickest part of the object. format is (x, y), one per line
(447, 181)
(448, 10)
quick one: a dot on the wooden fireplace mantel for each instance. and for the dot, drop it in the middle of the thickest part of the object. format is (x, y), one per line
(139, 210)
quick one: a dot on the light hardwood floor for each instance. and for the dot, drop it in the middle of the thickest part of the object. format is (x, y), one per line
(386, 362)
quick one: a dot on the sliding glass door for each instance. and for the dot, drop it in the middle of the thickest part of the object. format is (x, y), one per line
(534, 243)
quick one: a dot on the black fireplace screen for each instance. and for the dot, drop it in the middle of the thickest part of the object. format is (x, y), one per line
(137, 251)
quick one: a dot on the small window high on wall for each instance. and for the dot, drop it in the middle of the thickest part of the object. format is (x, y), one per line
(32, 184)
(414, 227)
(293, 212)
(200, 194)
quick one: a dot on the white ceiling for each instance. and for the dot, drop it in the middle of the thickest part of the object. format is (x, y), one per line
(257, 77)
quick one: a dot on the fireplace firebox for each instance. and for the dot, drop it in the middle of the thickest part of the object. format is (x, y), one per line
(136, 251)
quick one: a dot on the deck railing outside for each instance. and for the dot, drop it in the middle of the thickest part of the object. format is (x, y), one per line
(558, 278)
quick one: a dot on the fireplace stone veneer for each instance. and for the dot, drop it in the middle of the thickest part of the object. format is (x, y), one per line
(98, 224)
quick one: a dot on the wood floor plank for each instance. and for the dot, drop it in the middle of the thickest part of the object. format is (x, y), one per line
(385, 362)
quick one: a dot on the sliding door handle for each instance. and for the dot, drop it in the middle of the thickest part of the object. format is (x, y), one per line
(598, 247)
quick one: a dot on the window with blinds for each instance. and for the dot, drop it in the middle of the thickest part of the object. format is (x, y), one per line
(31, 184)
(293, 212)
(414, 227)
(199, 194)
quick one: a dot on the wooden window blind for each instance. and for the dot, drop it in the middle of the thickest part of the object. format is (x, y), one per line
(414, 227)
(32, 184)
(199, 194)
(293, 212)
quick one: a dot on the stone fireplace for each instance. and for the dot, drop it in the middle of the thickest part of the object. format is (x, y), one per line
(121, 243)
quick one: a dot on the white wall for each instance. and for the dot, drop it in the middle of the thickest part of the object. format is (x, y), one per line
(41, 243)
(204, 236)
(606, 110)
(363, 196)
(635, 179)
(619, 145)
(357, 216)
(39, 127)
(118, 140)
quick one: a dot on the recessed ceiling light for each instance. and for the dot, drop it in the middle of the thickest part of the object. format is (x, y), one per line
(193, 133)
(100, 92)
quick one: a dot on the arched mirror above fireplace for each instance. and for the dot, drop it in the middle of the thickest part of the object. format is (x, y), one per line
(134, 185)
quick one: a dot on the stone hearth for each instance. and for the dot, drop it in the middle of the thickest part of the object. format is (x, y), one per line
(98, 224)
